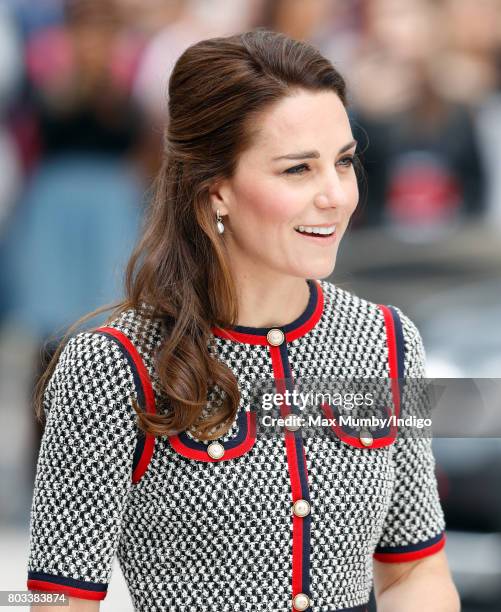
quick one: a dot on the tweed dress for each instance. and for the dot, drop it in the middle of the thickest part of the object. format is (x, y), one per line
(254, 520)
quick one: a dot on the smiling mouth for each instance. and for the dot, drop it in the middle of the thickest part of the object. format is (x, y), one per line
(320, 232)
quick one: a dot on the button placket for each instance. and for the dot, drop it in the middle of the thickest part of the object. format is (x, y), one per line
(275, 336)
(301, 508)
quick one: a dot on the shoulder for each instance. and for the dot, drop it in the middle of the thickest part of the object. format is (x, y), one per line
(88, 403)
(91, 372)
(96, 364)
(139, 333)
(85, 353)
(141, 326)
(367, 318)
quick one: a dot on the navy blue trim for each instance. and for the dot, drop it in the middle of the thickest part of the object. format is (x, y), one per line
(305, 494)
(298, 438)
(288, 380)
(232, 443)
(135, 373)
(308, 312)
(352, 431)
(399, 337)
(410, 547)
(98, 587)
(140, 436)
(303, 478)
(306, 554)
(138, 451)
(399, 341)
(362, 608)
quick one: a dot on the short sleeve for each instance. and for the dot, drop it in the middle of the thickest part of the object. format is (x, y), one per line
(415, 525)
(84, 469)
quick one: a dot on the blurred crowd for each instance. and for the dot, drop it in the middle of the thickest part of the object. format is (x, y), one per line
(83, 95)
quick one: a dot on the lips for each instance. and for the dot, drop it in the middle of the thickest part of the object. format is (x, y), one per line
(325, 240)
(316, 230)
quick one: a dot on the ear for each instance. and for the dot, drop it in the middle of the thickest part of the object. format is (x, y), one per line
(220, 197)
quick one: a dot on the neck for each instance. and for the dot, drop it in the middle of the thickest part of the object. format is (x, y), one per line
(270, 300)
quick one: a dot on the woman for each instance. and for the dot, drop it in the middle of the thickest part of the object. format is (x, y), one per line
(203, 512)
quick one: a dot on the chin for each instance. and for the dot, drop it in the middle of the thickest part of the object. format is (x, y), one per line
(319, 271)
(325, 273)
(323, 268)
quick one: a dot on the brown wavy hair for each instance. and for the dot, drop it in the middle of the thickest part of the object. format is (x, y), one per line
(180, 267)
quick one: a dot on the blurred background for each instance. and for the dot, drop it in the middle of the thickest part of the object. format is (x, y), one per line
(82, 105)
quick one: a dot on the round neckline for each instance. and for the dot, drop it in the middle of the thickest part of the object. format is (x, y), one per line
(295, 329)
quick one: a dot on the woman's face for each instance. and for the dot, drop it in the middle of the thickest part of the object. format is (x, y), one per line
(298, 172)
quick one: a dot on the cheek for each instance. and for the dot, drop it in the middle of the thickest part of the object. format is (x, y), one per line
(353, 195)
(266, 205)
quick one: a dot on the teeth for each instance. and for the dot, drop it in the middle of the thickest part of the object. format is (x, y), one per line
(323, 231)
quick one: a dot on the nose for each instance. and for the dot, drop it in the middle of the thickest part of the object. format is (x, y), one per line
(332, 192)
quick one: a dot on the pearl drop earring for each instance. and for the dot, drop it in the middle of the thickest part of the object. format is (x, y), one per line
(220, 226)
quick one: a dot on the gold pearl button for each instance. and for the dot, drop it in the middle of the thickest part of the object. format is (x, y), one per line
(366, 437)
(275, 337)
(301, 507)
(301, 602)
(292, 422)
(215, 450)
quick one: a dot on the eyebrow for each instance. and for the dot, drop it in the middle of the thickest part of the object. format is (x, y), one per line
(313, 154)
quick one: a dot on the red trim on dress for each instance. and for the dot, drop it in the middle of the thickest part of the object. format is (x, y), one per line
(401, 557)
(354, 440)
(230, 453)
(312, 321)
(290, 446)
(239, 336)
(42, 585)
(297, 555)
(391, 344)
(149, 398)
(261, 339)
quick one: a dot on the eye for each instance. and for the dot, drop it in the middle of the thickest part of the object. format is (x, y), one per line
(297, 169)
(346, 161)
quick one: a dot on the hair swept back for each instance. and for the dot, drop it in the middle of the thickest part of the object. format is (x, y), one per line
(179, 270)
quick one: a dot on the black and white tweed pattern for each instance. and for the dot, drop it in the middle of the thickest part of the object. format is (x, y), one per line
(85, 463)
(193, 535)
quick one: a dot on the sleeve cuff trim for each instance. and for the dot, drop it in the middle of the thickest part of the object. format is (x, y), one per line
(411, 552)
(39, 581)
